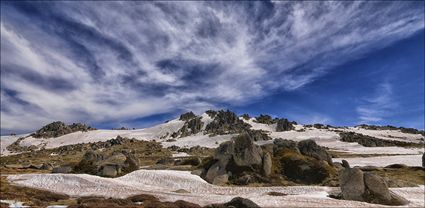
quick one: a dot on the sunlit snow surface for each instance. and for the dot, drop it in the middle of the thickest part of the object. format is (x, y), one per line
(164, 183)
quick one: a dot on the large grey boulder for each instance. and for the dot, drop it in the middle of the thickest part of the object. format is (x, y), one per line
(352, 184)
(246, 153)
(225, 152)
(377, 188)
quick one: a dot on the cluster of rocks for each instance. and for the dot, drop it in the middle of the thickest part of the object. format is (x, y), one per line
(367, 187)
(107, 165)
(369, 141)
(389, 127)
(224, 122)
(59, 128)
(241, 162)
(282, 124)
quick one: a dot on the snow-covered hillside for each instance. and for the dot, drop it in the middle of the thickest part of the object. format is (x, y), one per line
(325, 137)
(165, 183)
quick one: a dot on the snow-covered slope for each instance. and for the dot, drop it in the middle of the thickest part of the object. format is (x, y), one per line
(324, 137)
(164, 183)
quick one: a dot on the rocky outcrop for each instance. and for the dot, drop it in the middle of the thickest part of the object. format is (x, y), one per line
(59, 128)
(284, 125)
(310, 148)
(369, 141)
(236, 158)
(190, 127)
(113, 165)
(187, 116)
(302, 162)
(366, 187)
(302, 169)
(211, 113)
(265, 119)
(257, 135)
(226, 122)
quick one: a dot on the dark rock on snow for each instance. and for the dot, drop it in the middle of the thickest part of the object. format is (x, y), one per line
(59, 128)
(310, 148)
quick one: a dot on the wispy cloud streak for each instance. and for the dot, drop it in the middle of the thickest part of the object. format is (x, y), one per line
(381, 105)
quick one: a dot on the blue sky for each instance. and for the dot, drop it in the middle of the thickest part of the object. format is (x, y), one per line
(136, 64)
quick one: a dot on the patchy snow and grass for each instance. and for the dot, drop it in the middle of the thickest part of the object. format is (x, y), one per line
(382, 161)
(164, 183)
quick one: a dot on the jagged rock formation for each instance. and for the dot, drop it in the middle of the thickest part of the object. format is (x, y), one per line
(193, 125)
(284, 125)
(226, 122)
(59, 128)
(187, 116)
(369, 141)
(367, 187)
(211, 113)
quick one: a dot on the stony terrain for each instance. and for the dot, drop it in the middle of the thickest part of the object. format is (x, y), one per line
(270, 161)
